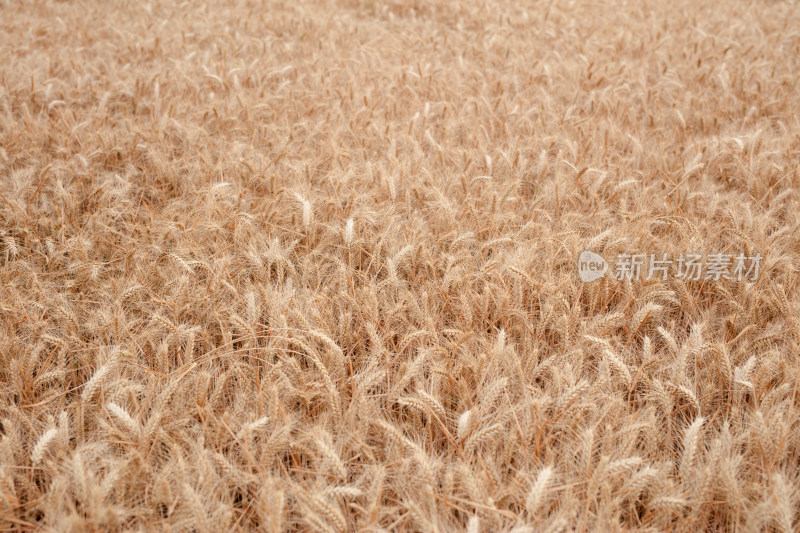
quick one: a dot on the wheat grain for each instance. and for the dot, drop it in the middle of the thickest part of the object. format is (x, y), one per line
(42, 444)
(538, 490)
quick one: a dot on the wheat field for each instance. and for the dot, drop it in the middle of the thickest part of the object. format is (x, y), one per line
(311, 266)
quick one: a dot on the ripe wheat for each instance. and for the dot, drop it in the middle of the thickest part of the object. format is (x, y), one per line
(312, 266)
